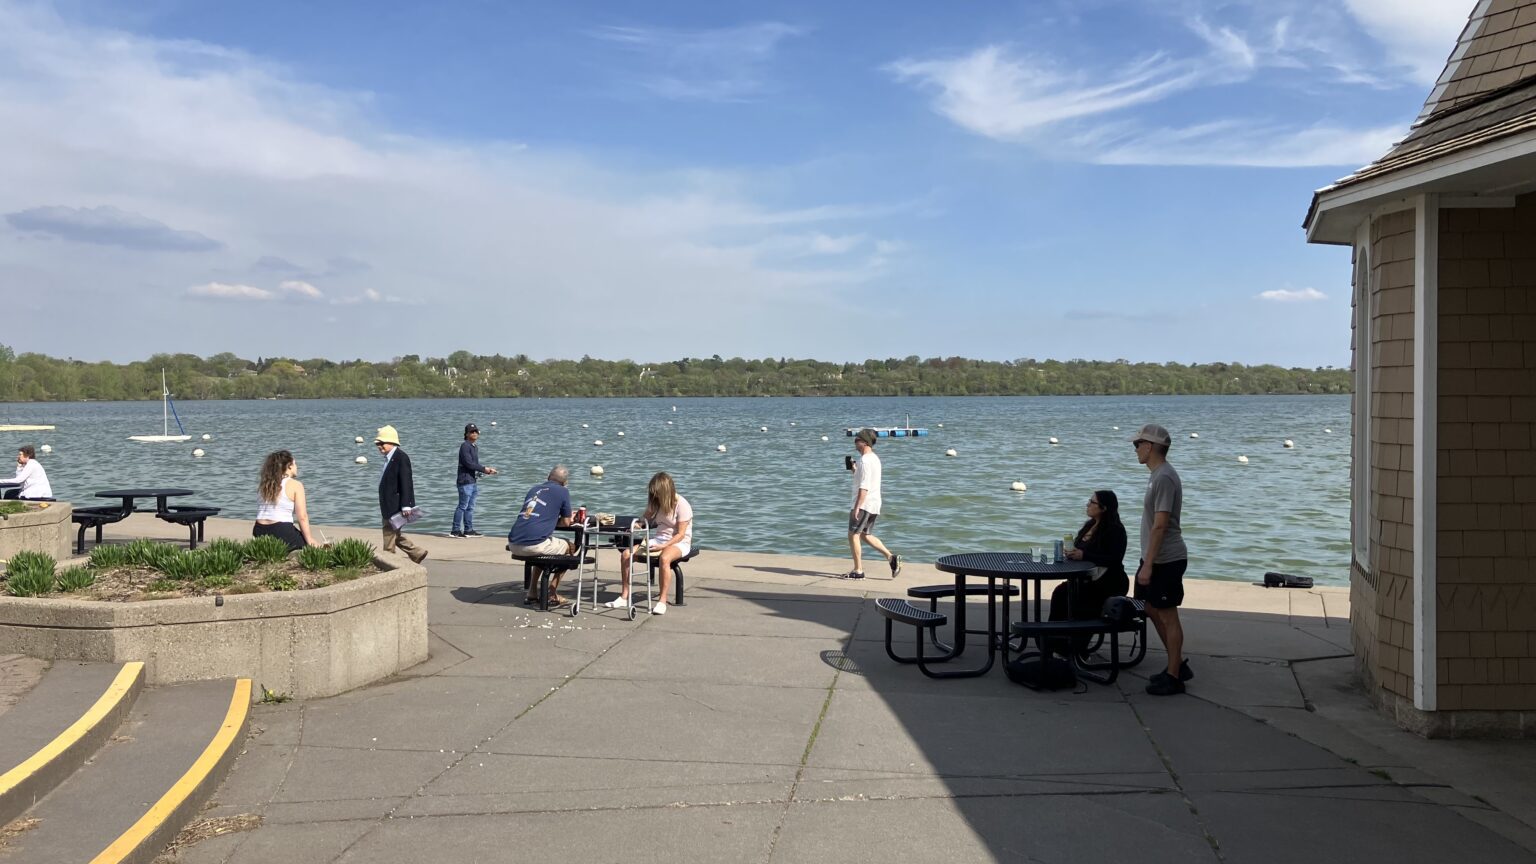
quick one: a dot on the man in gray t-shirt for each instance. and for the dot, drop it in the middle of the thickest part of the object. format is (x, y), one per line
(1164, 558)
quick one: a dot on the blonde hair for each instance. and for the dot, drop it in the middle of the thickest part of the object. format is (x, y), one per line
(272, 471)
(661, 496)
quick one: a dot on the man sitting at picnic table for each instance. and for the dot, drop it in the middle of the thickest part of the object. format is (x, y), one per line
(31, 481)
(546, 507)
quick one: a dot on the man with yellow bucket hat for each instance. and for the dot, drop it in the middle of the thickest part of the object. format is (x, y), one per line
(397, 494)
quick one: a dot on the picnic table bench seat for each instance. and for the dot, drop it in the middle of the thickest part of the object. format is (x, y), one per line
(93, 517)
(677, 571)
(897, 609)
(548, 565)
(1102, 672)
(192, 517)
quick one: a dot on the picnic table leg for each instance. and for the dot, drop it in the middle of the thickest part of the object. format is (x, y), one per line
(80, 540)
(959, 647)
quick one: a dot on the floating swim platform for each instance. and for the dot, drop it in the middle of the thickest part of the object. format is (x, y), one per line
(22, 427)
(889, 431)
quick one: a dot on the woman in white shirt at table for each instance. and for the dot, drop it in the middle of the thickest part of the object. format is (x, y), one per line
(281, 510)
(670, 517)
(31, 480)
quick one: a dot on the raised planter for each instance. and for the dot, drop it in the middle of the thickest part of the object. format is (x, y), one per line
(316, 642)
(38, 530)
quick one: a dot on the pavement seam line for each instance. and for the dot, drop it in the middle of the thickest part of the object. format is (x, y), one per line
(187, 784)
(1178, 785)
(810, 744)
(122, 684)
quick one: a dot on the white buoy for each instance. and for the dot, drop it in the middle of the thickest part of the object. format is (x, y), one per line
(941, 425)
(1116, 428)
(47, 448)
(721, 448)
(1242, 460)
(1194, 434)
(950, 452)
(597, 443)
(1289, 444)
(207, 437)
(493, 422)
(597, 470)
(1018, 486)
(1328, 431)
(669, 422)
(621, 434)
(1054, 441)
(198, 453)
(358, 439)
(583, 425)
(793, 423)
(762, 428)
(824, 438)
(674, 409)
(361, 460)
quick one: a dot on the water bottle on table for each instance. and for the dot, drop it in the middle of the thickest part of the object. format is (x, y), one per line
(1060, 556)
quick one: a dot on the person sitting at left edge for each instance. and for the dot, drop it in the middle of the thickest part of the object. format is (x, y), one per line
(397, 493)
(546, 507)
(470, 470)
(30, 475)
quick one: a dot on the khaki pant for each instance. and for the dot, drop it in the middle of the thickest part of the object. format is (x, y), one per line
(394, 537)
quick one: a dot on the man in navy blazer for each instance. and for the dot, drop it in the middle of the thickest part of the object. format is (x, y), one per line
(397, 494)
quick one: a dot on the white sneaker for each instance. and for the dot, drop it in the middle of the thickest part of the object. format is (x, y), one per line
(659, 608)
(617, 603)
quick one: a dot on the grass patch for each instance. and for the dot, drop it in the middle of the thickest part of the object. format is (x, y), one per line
(272, 697)
(183, 567)
(315, 558)
(11, 508)
(162, 586)
(346, 574)
(216, 581)
(107, 557)
(265, 550)
(351, 553)
(280, 582)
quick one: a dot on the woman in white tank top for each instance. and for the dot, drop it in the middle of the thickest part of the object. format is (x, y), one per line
(280, 510)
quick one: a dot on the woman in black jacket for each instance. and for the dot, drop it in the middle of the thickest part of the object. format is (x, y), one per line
(1102, 541)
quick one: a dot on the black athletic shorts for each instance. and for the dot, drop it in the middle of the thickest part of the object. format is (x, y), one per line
(1166, 589)
(861, 522)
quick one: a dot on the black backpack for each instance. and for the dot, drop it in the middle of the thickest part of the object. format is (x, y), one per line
(1123, 611)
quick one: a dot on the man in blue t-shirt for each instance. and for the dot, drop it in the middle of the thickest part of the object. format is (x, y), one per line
(546, 507)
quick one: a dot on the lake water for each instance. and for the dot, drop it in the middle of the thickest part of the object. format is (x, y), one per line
(780, 490)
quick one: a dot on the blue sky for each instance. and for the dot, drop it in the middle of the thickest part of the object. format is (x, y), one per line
(1044, 178)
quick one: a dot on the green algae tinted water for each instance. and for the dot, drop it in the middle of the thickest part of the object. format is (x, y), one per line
(780, 490)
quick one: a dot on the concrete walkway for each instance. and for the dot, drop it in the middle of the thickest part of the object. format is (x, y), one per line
(763, 722)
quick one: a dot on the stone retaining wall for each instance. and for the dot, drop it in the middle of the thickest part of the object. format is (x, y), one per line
(38, 531)
(317, 642)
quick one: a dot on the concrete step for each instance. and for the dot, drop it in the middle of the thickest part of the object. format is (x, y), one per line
(58, 725)
(131, 798)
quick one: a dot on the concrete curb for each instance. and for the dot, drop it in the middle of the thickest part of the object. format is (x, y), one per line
(159, 825)
(22, 786)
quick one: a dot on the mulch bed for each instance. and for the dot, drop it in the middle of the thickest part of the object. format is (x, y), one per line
(128, 584)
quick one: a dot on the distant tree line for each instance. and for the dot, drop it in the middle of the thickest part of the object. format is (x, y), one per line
(40, 378)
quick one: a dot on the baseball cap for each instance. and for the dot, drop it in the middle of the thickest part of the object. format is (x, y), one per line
(470, 427)
(1153, 433)
(868, 436)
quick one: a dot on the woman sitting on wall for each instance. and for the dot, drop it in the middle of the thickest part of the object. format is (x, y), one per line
(280, 511)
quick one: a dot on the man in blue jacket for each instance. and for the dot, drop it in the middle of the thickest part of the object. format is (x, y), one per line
(397, 494)
(470, 470)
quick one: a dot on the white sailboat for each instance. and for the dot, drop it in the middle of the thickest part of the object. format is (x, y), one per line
(167, 411)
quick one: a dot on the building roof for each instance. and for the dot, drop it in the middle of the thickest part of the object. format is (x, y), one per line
(1487, 93)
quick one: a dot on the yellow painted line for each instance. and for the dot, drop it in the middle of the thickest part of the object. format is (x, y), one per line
(106, 704)
(155, 817)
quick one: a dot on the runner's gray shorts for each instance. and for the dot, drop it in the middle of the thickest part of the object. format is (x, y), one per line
(862, 522)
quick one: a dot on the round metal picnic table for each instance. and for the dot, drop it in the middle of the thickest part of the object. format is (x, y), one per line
(993, 566)
(159, 494)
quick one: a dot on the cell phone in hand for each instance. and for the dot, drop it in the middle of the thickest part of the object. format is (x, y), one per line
(848, 462)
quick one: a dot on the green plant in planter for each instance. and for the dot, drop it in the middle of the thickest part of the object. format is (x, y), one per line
(162, 586)
(222, 560)
(144, 552)
(351, 553)
(346, 574)
(314, 558)
(76, 579)
(216, 580)
(280, 582)
(110, 557)
(226, 543)
(11, 508)
(183, 566)
(265, 550)
(29, 574)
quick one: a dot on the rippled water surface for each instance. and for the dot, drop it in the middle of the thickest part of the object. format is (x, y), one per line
(780, 490)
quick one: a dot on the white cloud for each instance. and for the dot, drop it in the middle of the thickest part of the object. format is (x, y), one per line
(1238, 143)
(223, 291)
(1420, 34)
(720, 65)
(298, 288)
(1291, 295)
(996, 94)
(823, 244)
(282, 172)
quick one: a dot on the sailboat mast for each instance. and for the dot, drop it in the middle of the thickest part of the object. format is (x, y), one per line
(165, 420)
